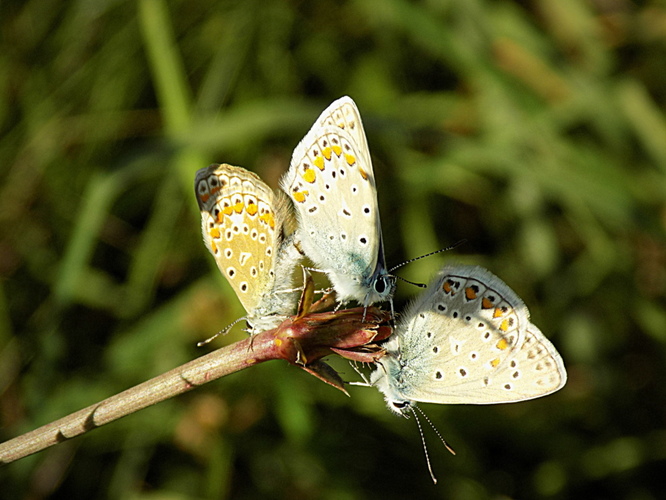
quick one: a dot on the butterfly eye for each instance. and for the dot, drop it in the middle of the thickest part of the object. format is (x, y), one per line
(385, 284)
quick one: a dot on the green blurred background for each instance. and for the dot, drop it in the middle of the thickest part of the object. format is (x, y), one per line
(533, 129)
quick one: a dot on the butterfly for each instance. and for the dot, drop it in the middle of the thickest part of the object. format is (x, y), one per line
(245, 226)
(467, 339)
(332, 185)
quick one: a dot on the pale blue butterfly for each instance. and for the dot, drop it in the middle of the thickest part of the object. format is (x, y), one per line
(467, 339)
(332, 184)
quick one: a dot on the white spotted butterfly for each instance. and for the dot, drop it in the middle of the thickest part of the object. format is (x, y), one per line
(332, 184)
(467, 339)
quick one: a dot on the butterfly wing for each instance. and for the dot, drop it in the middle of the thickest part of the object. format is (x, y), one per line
(469, 340)
(332, 184)
(242, 225)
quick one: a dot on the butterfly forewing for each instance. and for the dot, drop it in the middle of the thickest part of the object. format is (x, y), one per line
(242, 224)
(332, 186)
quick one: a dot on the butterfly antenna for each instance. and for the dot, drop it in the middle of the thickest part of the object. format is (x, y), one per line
(425, 448)
(420, 285)
(432, 426)
(455, 245)
(221, 332)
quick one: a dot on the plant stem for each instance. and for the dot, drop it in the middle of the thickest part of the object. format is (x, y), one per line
(214, 365)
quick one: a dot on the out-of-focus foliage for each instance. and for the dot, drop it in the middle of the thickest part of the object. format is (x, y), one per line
(535, 130)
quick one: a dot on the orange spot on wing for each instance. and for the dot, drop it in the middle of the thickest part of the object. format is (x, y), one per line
(502, 344)
(268, 219)
(309, 175)
(238, 207)
(319, 162)
(337, 150)
(214, 233)
(446, 286)
(470, 293)
(504, 326)
(327, 153)
(495, 362)
(498, 313)
(486, 303)
(299, 196)
(351, 159)
(252, 208)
